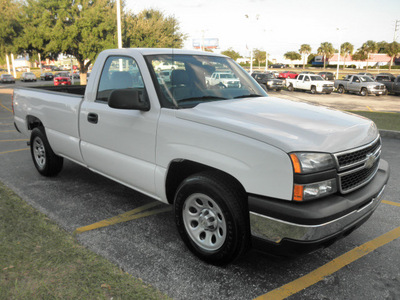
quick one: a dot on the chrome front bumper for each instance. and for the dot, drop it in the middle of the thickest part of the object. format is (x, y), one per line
(274, 230)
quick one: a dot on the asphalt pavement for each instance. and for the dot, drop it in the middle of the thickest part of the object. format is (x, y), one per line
(149, 247)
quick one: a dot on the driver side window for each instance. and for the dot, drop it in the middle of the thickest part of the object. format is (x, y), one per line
(119, 72)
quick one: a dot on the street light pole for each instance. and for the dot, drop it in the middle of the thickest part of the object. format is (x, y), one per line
(119, 24)
(338, 60)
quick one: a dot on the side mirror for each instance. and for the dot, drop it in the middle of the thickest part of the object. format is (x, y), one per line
(134, 99)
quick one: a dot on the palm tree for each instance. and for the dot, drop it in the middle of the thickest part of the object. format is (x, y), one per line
(305, 50)
(367, 48)
(326, 49)
(346, 49)
(392, 50)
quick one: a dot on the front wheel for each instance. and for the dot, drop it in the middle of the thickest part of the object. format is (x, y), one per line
(290, 88)
(212, 217)
(340, 89)
(44, 159)
(363, 92)
(313, 90)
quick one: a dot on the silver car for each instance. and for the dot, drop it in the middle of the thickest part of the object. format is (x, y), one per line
(28, 76)
(7, 78)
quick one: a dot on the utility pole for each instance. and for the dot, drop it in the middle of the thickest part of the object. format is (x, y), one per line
(396, 28)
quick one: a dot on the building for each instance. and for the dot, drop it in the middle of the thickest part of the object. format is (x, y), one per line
(375, 60)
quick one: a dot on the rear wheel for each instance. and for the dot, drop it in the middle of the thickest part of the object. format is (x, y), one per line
(44, 159)
(212, 217)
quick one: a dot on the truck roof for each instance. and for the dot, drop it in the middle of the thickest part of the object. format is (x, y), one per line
(156, 51)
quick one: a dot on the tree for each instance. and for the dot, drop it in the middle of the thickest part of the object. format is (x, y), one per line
(231, 53)
(393, 50)
(346, 49)
(151, 29)
(305, 50)
(367, 48)
(292, 55)
(260, 56)
(10, 26)
(381, 47)
(326, 50)
(78, 28)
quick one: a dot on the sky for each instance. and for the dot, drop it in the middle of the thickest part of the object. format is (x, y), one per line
(280, 26)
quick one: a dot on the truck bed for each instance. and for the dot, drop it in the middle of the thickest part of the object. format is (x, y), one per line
(73, 89)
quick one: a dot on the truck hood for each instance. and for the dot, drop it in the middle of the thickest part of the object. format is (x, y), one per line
(288, 125)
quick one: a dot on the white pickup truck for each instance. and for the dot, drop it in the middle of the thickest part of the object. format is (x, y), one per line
(241, 169)
(310, 82)
(223, 79)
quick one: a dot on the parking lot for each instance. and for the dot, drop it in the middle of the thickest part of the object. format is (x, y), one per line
(144, 242)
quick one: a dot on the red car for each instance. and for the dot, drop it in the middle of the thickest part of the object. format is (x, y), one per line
(288, 74)
(62, 79)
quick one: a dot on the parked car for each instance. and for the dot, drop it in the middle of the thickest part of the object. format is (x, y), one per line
(278, 66)
(46, 76)
(223, 79)
(327, 75)
(62, 78)
(287, 74)
(391, 76)
(363, 85)
(392, 84)
(7, 78)
(310, 82)
(306, 72)
(28, 76)
(268, 81)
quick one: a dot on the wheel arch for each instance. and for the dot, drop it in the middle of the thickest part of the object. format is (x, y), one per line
(181, 169)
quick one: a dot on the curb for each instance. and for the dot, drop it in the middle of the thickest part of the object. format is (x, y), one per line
(390, 134)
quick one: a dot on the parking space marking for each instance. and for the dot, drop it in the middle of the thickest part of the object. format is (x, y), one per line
(391, 203)
(7, 130)
(369, 108)
(1, 104)
(16, 150)
(136, 213)
(17, 140)
(331, 267)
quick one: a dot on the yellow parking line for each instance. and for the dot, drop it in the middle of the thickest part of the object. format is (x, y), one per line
(331, 267)
(391, 203)
(7, 130)
(5, 107)
(369, 108)
(128, 216)
(17, 140)
(7, 124)
(4, 152)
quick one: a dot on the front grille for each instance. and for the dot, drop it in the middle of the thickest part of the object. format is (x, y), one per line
(357, 179)
(358, 166)
(351, 158)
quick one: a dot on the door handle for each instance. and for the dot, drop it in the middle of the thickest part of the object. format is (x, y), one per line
(93, 118)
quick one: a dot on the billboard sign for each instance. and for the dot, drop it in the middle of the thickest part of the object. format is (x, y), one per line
(208, 43)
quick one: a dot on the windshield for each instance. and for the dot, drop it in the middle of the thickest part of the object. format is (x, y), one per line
(195, 79)
(366, 79)
(316, 78)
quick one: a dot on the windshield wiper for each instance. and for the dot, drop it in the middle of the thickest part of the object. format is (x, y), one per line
(201, 98)
(248, 96)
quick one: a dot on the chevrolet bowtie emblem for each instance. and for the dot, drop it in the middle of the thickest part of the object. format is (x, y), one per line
(370, 161)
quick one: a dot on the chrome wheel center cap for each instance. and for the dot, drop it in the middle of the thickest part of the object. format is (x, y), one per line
(208, 220)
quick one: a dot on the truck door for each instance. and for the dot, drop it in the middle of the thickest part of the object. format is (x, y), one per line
(396, 85)
(354, 85)
(119, 143)
(299, 82)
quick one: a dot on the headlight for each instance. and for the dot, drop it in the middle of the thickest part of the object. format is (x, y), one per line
(315, 175)
(307, 162)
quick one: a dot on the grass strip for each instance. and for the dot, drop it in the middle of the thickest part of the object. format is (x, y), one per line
(38, 260)
(384, 120)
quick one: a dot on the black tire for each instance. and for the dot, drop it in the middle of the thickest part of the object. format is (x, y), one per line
(340, 89)
(45, 160)
(211, 215)
(363, 92)
(290, 87)
(278, 90)
(313, 90)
